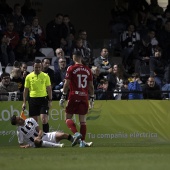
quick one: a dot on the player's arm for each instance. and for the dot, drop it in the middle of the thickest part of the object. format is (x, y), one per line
(21, 140)
(25, 145)
(65, 90)
(66, 86)
(25, 94)
(40, 132)
(91, 88)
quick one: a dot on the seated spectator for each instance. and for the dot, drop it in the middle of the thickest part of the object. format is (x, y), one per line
(82, 34)
(156, 61)
(69, 26)
(142, 52)
(24, 71)
(102, 88)
(134, 86)
(60, 75)
(128, 39)
(25, 51)
(39, 33)
(17, 18)
(116, 77)
(151, 90)
(55, 32)
(78, 46)
(16, 77)
(124, 90)
(6, 86)
(154, 40)
(59, 54)
(104, 63)
(12, 35)
(48, 70)
(96, 78)
(7, 56)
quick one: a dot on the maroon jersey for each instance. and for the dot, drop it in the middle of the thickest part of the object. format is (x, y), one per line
(79, 76)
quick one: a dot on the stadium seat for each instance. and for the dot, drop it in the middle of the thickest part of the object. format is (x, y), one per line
(12, 96)
(52, 67)
(8, 69)
(30, 68)
(48, 52)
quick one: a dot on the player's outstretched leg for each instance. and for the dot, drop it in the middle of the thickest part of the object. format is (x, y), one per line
(76, 137)
(85, 144)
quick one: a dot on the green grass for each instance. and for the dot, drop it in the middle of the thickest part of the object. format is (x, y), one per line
(94, 158)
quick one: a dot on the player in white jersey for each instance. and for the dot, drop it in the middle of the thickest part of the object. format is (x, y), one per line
(30, 135)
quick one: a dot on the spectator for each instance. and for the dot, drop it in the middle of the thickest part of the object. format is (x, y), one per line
(142, 52)
(157, 62)
(104, 63)
(24, 71)
(39, 33)
(55, 32)
(134, 86)
(128, 39)
(48, 70)
(17, 18)
(85, 52)
(17, 78)
(7, 56)
(69, 26)
(12, 35)
(164, 40)
(115, 79)
(96, 79)
(59, 53)
(6, 86)
(60, 74)
(82, 34)
(25, 51)
(124, 90)
(102, 88)
(151, 90)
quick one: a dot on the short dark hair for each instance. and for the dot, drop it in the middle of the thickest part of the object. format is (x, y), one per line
(5, 75)
(77, 54)
(37, 61)
(13, 120)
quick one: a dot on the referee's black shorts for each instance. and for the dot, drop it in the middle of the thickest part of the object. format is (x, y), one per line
(37, 106)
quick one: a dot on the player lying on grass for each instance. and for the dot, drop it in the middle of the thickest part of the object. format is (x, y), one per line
(30, 135)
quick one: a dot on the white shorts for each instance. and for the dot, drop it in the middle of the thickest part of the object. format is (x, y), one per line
(50, 137)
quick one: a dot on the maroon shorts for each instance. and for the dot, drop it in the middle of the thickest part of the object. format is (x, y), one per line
(77, 107)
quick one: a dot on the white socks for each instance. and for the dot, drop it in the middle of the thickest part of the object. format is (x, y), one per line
(51, 145)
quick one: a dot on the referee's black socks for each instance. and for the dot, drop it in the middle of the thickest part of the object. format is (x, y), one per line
(46, 128)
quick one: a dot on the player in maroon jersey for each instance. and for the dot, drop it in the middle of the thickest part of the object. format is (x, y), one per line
(79, 81)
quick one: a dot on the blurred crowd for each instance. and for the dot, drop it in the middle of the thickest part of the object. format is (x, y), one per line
(139, 32)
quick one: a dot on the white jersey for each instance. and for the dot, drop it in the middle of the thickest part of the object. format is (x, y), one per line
(28, 132)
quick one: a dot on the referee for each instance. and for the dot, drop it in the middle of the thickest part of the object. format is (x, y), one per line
(38, 85)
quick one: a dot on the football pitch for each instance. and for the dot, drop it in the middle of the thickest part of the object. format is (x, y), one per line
(151, 157)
